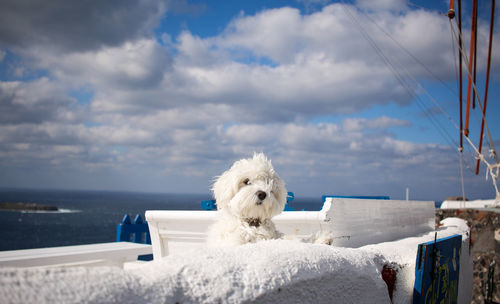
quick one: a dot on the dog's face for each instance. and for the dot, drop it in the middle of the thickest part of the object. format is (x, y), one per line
(251, 189)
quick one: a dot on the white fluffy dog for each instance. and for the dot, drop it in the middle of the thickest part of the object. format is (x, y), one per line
(248, 195)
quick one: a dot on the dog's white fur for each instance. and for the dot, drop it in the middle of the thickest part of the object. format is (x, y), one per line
(248, 195)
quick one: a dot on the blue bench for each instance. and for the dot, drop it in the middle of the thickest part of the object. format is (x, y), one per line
(136, 232)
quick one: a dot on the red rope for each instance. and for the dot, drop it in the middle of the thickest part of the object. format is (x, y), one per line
(487, 82)
(460, 46)
(471, 56)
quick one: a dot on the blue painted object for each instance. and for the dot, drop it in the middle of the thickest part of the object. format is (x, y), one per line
(208, 205)
(437, 271)
(138, 232)
(381, 197)
(290, 196)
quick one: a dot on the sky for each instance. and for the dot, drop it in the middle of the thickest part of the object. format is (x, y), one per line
(346, 98)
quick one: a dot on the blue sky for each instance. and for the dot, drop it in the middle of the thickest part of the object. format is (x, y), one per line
(161, 96)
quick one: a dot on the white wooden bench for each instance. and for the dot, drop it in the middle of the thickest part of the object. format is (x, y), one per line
(111, 254)
(354, 223)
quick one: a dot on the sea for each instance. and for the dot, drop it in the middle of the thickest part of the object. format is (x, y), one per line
(87, 217)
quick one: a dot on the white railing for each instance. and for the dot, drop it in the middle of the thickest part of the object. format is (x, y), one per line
(110, 254)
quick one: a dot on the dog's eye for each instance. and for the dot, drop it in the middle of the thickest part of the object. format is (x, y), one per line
(246, 181)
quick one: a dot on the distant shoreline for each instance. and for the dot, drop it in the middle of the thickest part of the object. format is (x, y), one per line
(19, 206)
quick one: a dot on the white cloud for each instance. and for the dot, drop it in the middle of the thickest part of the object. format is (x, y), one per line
(35, 102)
(274, 33)
(320, 67)
(382, 5)
(78, 26)
(384, 122)
(183, 112)
(132, 65)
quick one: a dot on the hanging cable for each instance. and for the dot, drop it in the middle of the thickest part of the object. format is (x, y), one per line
(491, 169)
(462, 175)
(404, 81)
(460, 149)
(409, 53)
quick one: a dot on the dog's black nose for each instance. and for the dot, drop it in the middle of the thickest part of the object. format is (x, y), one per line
(261, 195)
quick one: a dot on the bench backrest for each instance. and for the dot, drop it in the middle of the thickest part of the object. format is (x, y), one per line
(136, 232)
(353, 222)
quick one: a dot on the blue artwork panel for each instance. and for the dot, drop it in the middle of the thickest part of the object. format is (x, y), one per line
(437, 271)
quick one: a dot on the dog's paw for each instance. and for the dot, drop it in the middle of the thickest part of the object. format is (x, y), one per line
(323, 237)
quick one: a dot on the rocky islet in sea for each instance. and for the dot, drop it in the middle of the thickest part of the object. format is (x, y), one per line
(20, 206)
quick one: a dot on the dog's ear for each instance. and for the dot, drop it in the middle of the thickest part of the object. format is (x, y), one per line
(224, 189)
(281, 194)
